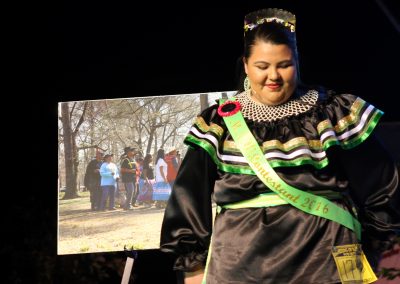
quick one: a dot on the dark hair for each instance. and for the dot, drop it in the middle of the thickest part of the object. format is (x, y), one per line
(271, 32)
(147, 160)
(160, 154)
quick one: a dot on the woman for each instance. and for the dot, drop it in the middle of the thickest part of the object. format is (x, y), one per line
(161, 189)
(146, 181)
(315, 145)
(109, 177)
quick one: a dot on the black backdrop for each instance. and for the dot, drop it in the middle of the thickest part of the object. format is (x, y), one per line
(99, 50)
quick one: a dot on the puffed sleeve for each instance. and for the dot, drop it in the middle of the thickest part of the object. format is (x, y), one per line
(370, 170)
(372, 175)
(374, 187)
(187, 223)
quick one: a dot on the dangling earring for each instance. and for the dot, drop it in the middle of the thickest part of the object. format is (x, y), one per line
(246, 84)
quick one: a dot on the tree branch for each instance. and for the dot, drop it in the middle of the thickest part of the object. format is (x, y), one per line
(81, 119)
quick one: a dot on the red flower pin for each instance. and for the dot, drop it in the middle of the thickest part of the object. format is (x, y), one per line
(229, 108)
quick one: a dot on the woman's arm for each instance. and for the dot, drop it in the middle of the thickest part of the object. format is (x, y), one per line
(187, 224)
(374, 186)
(144, 173)
(162, 174)
(194, 277)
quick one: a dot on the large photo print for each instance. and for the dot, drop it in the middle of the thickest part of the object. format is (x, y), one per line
(117, 163)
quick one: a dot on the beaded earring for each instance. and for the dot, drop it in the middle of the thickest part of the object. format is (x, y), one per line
(246, 84)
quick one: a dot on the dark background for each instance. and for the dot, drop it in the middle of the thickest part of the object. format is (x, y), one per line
(95, 50)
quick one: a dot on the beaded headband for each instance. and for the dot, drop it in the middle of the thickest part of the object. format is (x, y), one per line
(285, 18)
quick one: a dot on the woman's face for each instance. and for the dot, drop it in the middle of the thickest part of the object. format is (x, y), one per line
(272, 72)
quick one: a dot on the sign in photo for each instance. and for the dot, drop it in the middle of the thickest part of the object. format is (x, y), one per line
(111, 158)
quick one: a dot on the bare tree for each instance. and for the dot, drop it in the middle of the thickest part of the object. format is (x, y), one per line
(70, 148)
(111, 125)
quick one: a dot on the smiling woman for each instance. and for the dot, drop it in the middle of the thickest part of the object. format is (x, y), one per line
(286, 164)
(271, 72)
(270, 60)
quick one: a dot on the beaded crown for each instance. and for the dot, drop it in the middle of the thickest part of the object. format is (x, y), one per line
(285, 18)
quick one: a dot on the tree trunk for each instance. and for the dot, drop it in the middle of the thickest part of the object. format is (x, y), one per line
(152, 130)
(92, 151)
(75, 169)
(71, 190)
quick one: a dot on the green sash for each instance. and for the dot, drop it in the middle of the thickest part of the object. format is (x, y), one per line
(307, 202)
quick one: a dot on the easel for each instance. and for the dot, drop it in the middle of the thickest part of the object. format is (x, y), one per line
(130, 260)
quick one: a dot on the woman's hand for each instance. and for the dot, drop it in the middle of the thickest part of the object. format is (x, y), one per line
(194, 277)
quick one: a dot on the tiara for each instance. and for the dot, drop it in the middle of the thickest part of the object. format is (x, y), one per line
(279, 16)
